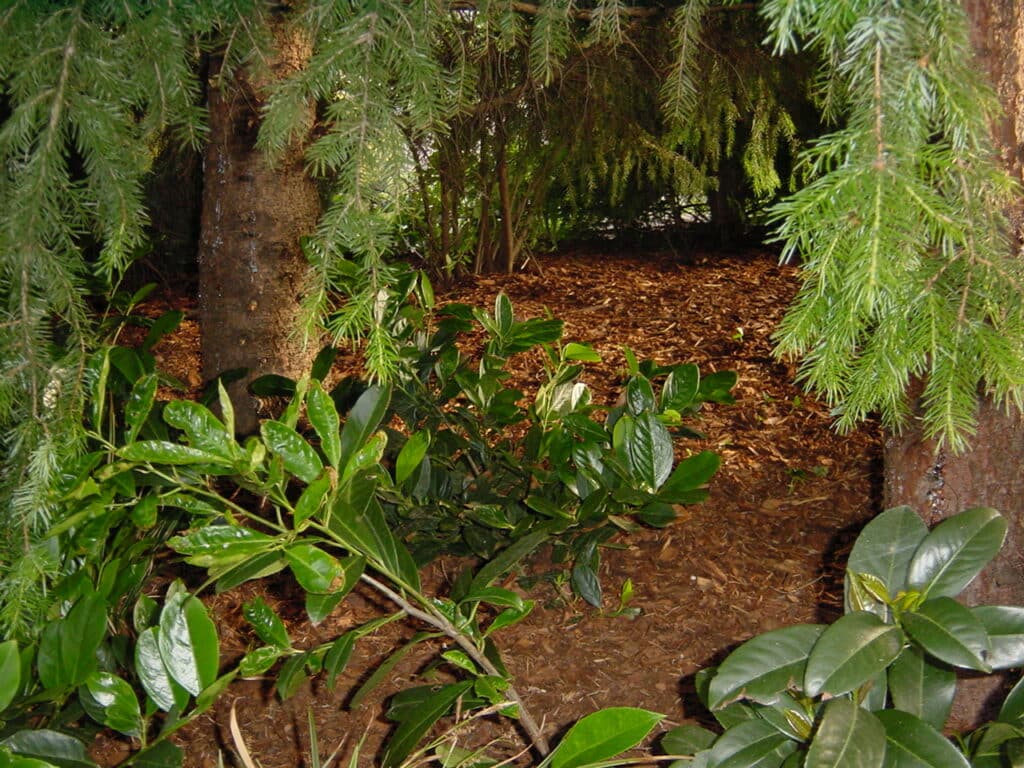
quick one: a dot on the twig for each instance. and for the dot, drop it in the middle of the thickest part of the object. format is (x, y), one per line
(533, 731)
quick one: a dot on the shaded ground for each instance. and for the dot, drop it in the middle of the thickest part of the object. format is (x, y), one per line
(761, 553)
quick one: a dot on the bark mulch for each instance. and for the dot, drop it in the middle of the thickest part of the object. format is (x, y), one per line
(764, 551)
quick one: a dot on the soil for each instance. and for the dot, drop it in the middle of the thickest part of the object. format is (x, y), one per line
(764, 551)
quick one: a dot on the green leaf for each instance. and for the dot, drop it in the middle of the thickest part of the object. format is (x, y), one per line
(687, 740)
(320, 606)
(921, 688)
(337, 657)
(955, 552)
(256, 566)
(716, 387)
(162, 754)
(323, 415)
(886, 546)
(153, 675)
(586, 583)
(850, 652)
(1005, 627)
(257, 661)
(188, 643)
(603, 735)
(639, 396)
(411, 455)
(312, 499)
(52, 747)
(323, 362)
(949, 632)
(680, 388)
(160, 327)
(358, 520)
(582, 353)
(691, 473)
(67, 647)
(314, 569)
(503, 316)
(299, 457)
(204, 430)
(221, 546)
(505, 560)
(366, 457)
(291, 676)
(363, 420)
(848, 737)
(165, 452)
(110, 701)
(913, 743)
(764, 666)
(647, 447)
(383, 670)
(750, 744)
(417, 720)
(139, 404)
(266, 623)
(10, 672)
(1012, 710)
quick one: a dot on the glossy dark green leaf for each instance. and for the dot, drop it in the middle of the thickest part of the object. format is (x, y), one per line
(366, 457)
(411, 455)
(314, 569)
(848, 737)
(886, 546)
(52, 747)
(257, 661)
(358, 520)
(362, 421)
(639, 396)
(418, 720)
(922, 688)
(913, 743)
(687, 740)
(165, 452)
(320, 606)
(67, 647)
(955, 552)
(503, 316)
(110, 701)
(153, 674)
(204, 430)
(1005, 627)
(10, 672)
(505, 560)
(764, 666)
(256, 566)
(221, 546)
(266, 623)
(586, 583)
(139, 404)
(950, 632)
(750, 744)
(647, 447)
(188, 643)
(324, 417)
(603, 735)
(383, 669)
(299, 457)
(680, 387)
(272, 385)
(850, 652)
(162, 754)
(312, 499)
(291, 676)
(691, 473)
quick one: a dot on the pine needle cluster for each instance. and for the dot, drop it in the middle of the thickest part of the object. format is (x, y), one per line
(908, 271)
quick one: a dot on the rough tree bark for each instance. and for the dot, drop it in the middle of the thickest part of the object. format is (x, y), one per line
(251, 267)
(991, 473)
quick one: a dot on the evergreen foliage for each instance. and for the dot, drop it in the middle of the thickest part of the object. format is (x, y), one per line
(908, 272)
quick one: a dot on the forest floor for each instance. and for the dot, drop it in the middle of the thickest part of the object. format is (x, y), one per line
(764, 551)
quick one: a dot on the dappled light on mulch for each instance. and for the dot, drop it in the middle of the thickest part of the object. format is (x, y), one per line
(762, 552)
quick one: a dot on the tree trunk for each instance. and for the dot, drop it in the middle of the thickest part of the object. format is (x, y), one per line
(934, 482)
(251, 267)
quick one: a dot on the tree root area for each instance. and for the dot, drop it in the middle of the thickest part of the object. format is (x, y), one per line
(764, 551)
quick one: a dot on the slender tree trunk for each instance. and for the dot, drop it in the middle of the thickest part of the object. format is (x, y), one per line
(251, 267)
(991, 473)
